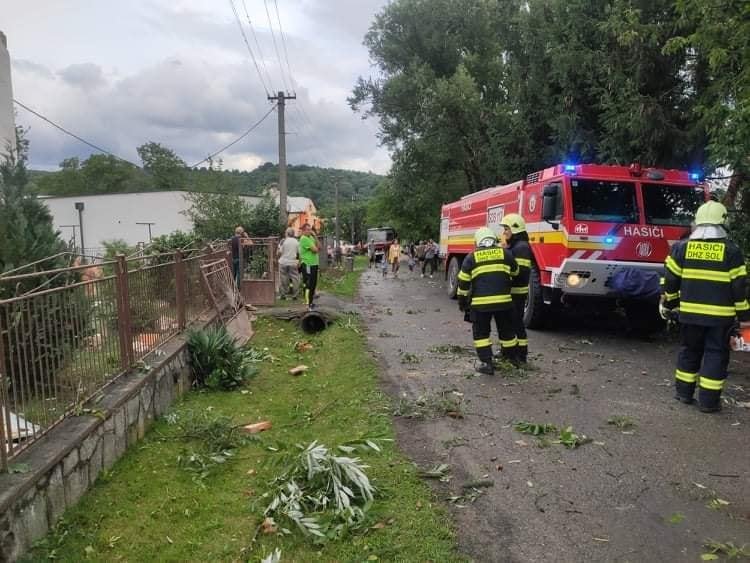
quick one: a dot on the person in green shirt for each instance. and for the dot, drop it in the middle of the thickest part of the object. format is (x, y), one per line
(308, 256)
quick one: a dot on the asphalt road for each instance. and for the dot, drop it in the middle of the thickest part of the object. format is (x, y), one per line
(644, 493)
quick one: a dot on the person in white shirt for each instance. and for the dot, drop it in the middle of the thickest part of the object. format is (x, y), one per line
(289, 265)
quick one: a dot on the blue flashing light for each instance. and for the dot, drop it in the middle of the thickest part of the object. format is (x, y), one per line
(609, 240)
(696, 176)
(569, 167)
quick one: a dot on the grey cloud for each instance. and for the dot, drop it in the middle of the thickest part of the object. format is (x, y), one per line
(21, 65)
(84, 75)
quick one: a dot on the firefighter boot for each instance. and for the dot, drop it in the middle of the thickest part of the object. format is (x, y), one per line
(485, 368)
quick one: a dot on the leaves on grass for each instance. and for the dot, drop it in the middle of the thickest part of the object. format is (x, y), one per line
(322, 493)
(676, 518)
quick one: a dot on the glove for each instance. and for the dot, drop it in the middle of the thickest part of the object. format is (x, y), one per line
(463, 303)
(668, 313)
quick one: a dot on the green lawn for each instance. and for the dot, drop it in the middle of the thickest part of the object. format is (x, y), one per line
(147, 508)
(340, 283)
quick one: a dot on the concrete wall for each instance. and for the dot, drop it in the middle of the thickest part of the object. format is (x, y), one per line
(114, 216)
(7, 119)
(65, 463)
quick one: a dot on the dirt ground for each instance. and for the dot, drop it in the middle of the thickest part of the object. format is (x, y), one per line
(646, 493)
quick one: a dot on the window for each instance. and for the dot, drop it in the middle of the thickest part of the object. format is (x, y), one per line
(671, 205)
(599, 200)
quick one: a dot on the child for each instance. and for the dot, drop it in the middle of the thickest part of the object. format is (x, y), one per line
(384, 266)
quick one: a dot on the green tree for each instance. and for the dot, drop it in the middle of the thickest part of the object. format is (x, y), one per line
(169, 171)
(476, 92)
(106, 174)
(26, 231)
(215, 216)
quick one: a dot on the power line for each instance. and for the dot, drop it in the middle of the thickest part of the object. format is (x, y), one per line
(283, 42)
(247, 44)
(81, 139)
(238, 139)
(257, 44)
(276, 47)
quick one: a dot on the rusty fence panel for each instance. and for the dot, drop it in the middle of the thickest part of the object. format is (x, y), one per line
(75, 332)
(59, 347)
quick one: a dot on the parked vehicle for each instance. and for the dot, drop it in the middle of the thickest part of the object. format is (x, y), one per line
(382, 238)
(599, 233)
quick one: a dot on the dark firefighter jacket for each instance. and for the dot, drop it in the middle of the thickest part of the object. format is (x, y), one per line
(486, 276)
(707, 280)
(522, 253)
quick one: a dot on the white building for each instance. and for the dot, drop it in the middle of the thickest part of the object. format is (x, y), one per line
(117, 216)
(130, 216)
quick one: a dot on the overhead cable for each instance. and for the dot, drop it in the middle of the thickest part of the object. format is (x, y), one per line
(238, 139)
(276, 47)
(247, 44)
(257, 44)
(77, 137)
(283, 44)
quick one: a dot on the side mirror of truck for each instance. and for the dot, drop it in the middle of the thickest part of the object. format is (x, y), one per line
(550, 211)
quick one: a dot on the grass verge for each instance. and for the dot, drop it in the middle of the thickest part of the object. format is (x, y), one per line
(147, 508)
(340, 282)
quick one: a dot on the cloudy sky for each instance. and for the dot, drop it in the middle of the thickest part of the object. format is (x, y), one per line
(178, 72)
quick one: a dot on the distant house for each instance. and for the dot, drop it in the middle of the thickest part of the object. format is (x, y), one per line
(300, 210)
(121, 216)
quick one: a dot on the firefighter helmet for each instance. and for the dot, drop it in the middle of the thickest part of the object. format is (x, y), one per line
(711, 213)
(514, 222)
(484, 237)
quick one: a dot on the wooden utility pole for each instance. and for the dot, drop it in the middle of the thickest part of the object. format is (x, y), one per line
(338, 219)
(280, 100)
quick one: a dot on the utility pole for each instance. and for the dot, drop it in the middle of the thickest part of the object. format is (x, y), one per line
(338, 220)
(149, 228)
(79, 205)
(280, 100)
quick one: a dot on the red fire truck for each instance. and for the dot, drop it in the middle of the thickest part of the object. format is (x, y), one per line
(585, 223)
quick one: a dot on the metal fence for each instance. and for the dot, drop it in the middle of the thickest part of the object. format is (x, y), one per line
(60, 345)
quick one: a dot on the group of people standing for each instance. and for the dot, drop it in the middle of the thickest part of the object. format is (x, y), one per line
(295, 257)
(422, 255)
(299, 257)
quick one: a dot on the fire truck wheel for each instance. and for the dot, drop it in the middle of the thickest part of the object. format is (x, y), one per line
(643, 317)
(536, 310)
(452, 276)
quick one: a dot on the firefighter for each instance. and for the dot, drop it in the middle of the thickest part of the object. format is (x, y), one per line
(706, 278)
(517, 240)
(484, 285)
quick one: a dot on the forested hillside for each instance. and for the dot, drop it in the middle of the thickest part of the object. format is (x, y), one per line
(101, 174)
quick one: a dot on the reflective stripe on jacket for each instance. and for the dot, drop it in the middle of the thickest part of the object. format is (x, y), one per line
(707, 279)
(522, 253)
(486, 276)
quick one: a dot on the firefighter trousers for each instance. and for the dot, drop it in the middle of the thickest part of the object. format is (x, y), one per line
(702, 360)
(482, 326)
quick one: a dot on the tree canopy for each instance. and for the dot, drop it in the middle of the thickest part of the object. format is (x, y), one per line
(473, 93)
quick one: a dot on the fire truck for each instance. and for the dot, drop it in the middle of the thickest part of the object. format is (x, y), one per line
(586, 223)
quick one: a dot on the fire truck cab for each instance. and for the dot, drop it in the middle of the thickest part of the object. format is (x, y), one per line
(585, 224)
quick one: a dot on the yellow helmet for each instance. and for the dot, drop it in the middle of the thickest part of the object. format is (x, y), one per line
(711, 213)
(514, 222)
(485, 237)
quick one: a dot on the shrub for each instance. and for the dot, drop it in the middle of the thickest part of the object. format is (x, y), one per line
(216, 360)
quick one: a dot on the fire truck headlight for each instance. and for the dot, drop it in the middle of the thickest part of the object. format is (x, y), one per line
(574, 280)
